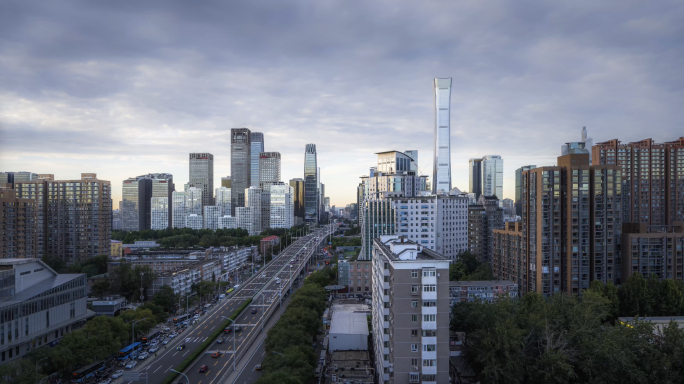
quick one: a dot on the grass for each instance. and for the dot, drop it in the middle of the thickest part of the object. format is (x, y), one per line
(186, 363)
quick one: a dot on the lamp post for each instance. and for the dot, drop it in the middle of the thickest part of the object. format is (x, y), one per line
(181, 373)
(234, 337)
(186, 302)
(133, 330)
(278, 353)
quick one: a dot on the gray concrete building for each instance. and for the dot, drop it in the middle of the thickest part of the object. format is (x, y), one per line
(202, 176)
(256, 148)
(240, 166)
(269, 168)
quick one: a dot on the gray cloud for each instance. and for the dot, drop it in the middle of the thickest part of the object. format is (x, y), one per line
(132, 87)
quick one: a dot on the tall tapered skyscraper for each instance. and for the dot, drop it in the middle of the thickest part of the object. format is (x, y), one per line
(310, 184)
(441, 176)
(257, 146)
(240, 169)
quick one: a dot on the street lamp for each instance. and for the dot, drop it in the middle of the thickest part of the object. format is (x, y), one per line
(278, 353)
(234, 337)
(133, 330)
(181, 373)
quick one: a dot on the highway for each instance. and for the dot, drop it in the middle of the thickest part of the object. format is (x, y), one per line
(266, 291)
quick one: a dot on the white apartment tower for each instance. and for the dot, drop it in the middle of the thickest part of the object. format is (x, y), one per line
(282, 206)
(160, 213)
(223, 200)
(211, 217)
(492, 176)
(441, 176)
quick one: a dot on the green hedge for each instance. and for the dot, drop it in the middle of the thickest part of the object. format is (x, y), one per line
(186, 363)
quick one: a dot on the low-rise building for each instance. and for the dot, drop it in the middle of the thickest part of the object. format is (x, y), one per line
(117, 249)
(350, 367)
(268, 242)
(37, 306)
(140, 245)
(109, 306)
(356, 275)
(348, 332)
(484, 290)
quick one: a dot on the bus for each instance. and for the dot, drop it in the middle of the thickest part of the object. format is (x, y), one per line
(146, 339)
(83, 374)
(124, 353)
(181, 318)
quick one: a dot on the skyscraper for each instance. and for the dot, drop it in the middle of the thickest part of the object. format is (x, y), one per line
(475, 173)
(588, 141)
(240, 170)
(178, 209)
(160, 213)
(137, 195)
(518, 187)
(269, 168)
(202, 175)
(310, 184)
(282, 206)
(298, 199)
(492, 176)
(413, 154)
(257, 146)
(441, 176)
(223, 200)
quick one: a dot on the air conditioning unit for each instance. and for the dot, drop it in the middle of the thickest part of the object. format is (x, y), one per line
(415, 368)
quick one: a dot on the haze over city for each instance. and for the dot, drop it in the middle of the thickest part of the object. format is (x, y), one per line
(122, 89)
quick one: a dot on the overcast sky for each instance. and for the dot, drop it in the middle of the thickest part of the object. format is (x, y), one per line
(123, 88)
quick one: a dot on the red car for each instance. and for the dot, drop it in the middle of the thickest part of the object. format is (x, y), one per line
(216, 354)
(227, 330)
(203, 369)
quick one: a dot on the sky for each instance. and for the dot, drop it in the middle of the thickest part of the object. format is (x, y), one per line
(124, 88)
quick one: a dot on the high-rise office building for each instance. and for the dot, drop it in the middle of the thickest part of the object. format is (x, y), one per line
(298, 199)
(211, 217)
(136, 195)
(518, 187)
(483, 218)
(652, 178)
(475, 175)
(15, 177)
(163, 187)
(17, 226)
(178, 209)
(240, 166)
(492, 176)
(378, 218)
(571, 222)
(410, 312)
(257, 146)
(228, 222)
(269, 168)
(193, 201)
(282, 206)
(441, 175)
(588, 141)
(244, 219)
(223, 200)
(259, 205)
(160, 213)
(186, 204)
(202, 175)
(74, 217)
(413, 154)
(311, 193)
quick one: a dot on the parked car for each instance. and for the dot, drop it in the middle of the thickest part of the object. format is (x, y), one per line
(143, 356)
(203, 369)
(124, 362)
(166, 341)
(154, 349)
(118, 374)
(131, 365)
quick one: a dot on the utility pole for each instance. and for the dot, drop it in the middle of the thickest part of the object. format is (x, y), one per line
(133, 330)
(142, 274)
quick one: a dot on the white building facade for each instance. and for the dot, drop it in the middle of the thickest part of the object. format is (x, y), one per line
(159, 211)
(441, 176)
(211, 217)
(223, 200)
(282, 206)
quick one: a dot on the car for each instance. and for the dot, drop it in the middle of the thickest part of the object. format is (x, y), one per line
(171, 336)
(106, 381)
(166, 341)
(131, 365)
(180, 347)
(118, 374)
(257, 367)
(220, 341)
(216, 354)
(154, 349)
(143, 356)
(227, 330)
(124, 362)
(103, 373)
(264, 275)
(203, 369)
(238, 329)
(254, 310)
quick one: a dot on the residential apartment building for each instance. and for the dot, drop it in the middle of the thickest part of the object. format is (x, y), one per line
(571, 225)
(518, 187)
(483, 290)
(18, 226)
(38, 306)
(439, 223)
(483, 218)
(653, 250)
(240, 166)
(508, 262)
(74, 217)
(202, 176)
(257, 147)
(652, 178)
(182, 279)
(356, 275)
(282, 206)
(410, 312)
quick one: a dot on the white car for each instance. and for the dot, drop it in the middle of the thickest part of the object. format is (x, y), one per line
(106, 381)
(154, 349)
(165, 341)
(143, 356)
(118, 374)
(131, 365)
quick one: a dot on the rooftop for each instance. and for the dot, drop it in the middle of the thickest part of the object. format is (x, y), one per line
(401, 249)
(349, 323)
(480, 283)
(40, 287)
(270, 238)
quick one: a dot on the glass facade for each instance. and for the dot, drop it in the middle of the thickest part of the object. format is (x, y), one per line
(492, 176)
(202, 176)
(310, 184)
(257, 146)
(441, 177)
(269, 168)
(240, 166)
(160, 213)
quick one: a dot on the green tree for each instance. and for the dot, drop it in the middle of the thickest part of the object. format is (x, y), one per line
(166, 298)
(634, 296)
(469, 260)
(100, 287)
(457, 271)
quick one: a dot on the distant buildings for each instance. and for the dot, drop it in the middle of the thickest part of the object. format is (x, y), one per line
(483, 290)
(311, 193)
(518, 187)
(486, 176)
(18, 226)
(483, 217)
(137, 195)
(282, 206)
(269, 168)
(257, 147)
(410, 312)
(441, 175)
(202, 176)
(298, 200)
(74, 217)
(475, 176)
(240, 166)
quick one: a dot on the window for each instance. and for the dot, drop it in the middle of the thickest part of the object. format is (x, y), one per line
(414, 317)
(429, 333)
(414, 362)
(429, 348)
(429, 377)
(429, 273)
(414, 347)
(429, 288)
(429, 317)
(429, 363)
(414, 333)
(414, 377)
(429, 303)
(414, 289)
(414, 303)
(414, 273)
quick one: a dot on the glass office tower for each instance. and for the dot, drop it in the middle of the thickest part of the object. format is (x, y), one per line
(310, 184)
(257, 146)
(441, 176)
(240, 166)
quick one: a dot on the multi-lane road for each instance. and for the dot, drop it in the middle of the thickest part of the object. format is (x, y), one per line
(264, 289)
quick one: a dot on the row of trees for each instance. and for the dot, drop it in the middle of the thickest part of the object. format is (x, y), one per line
(469, 268)
(346, 242)
(291, 337)
(565, 340)
(96, 265)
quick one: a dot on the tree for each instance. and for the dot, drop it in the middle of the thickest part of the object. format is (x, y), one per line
(483, 272)
(457, 271)
(142, 327)
(469, 260)
(100, 287)
(55, 263)
(166, 298)
(634, 296)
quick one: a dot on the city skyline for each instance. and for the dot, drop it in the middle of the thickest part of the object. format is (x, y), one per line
(96, 101)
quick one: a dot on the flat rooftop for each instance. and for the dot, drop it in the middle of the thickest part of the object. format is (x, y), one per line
(349, 323)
